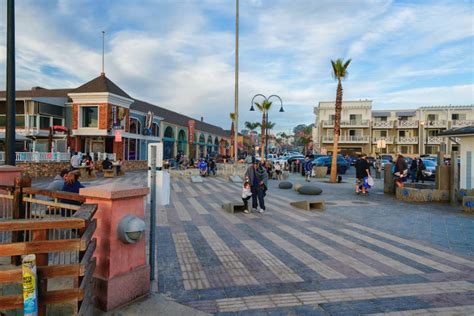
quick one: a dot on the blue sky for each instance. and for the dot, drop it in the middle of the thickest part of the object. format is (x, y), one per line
(179, 54)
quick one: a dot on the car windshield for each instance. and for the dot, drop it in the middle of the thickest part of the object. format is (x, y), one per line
(429, 163)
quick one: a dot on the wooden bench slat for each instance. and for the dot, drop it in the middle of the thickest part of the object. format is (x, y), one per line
(89, 252)
(86, 211)
(61, 296)
(44, 272)
(52, 203)
(87, 236)
(55, 194)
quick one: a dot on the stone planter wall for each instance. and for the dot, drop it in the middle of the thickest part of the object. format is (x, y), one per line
(320, 172)
(421, 195)
(42, 169)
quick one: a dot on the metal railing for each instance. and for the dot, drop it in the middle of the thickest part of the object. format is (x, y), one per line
(387, 139)
(407, 124)
(407, 140)
(462, 123)
(37, 157)
(382, 124)
(434, 140)
(350, 123)
(436, 124)
(347, 139)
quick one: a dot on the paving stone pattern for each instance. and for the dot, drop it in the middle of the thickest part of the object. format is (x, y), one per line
(362, 255)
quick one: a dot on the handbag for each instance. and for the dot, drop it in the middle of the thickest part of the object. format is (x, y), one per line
(370, 181)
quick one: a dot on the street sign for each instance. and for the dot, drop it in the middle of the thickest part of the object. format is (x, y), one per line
(118, 136)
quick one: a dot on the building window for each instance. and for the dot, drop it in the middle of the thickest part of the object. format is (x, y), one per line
(57, 121)
(20, 121)
(383, 133)
(457, 117)
(455, 148)
(405, 149)
(401, 133)
(45, 122)
(432, 117)
(135, 126)
(90, 116)
(155, 130)
(355, 118)
(32, 119)
(332, 118)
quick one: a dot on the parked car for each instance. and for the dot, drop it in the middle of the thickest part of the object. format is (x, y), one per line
(387, 157)
(294, 158)
(383, 162)
(430, 171)
(342, 164)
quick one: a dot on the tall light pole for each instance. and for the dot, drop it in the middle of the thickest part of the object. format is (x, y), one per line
(11, 111)
(236, 89)
(265, 115)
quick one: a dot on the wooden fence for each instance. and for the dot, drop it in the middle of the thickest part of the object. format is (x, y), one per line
(54, 227)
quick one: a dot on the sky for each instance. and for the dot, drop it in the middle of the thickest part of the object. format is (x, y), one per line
(180, 54)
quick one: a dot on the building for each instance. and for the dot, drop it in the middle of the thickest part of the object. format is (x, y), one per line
(465, 136)
(411, 132)
(100, 117)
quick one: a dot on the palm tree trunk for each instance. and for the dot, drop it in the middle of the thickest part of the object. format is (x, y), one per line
(337, 131)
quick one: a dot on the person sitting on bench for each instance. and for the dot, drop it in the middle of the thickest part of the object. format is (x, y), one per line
(106, 164)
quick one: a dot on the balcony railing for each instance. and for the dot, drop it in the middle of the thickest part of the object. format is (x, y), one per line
(407, 140)
(347, 139)
(350, 123)
(436, 124)
(388, 140)
(434, 140)
(382, 124)
(462, 123)
(407, 124)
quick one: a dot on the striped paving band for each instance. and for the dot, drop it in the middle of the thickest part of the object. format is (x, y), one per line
(440, 311)
(340, 295)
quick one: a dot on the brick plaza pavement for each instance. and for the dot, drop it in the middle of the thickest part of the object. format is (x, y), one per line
(363, 255)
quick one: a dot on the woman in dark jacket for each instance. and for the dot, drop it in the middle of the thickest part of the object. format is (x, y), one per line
(400, 172)
(72, 184)
(419, 171)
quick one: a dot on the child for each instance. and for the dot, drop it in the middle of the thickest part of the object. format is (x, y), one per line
(246, 195)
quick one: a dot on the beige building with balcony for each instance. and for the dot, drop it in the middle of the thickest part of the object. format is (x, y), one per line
(411, 132)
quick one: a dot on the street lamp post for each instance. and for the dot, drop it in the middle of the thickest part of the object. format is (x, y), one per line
(265, 115)
(11, 112)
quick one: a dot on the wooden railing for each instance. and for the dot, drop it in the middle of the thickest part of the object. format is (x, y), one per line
(60, 234)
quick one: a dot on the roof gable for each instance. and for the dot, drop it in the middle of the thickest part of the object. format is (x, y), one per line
(101, 84)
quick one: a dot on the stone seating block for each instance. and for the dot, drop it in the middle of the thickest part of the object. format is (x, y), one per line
(285, 185)
(309, 205)
(296, 186)
(468, 204)
(285, 175)
(309, 190)
(236, 179)
(320, 172)
(109, 173)
(197, 179)
(233, 207)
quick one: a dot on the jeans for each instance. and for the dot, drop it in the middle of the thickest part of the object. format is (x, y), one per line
(413, 175)
(258, 194)
(246, 204)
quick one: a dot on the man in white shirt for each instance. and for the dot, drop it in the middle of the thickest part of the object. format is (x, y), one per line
(75, 160)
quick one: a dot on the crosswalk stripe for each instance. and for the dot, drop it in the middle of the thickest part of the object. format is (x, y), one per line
(236, 269)
(332, 252)
(401, 252)
(308, 260)
(282, 272)
(427, 249)
(397, 265)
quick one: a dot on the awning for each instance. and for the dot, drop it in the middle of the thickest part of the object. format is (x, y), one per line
(380, 114)
(17, 137)
(459, 132)
(406, 113)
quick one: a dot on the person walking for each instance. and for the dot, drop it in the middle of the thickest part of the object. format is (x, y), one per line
(414, 170)
(257, 176)
(400, 171)
(308, 168)
(362, 171)
(278, 170)
(419, 171)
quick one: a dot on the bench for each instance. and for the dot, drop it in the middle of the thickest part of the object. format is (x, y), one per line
(309, 205)
(109, 173)
(233, 207)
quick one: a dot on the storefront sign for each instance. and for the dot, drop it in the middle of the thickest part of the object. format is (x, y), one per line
(191, 124)
(118, 136)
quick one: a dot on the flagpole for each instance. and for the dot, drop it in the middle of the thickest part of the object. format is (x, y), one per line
(236, 90)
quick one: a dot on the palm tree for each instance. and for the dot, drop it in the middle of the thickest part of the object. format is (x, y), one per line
(263, 107)
(306, 137)
(251, 126)
(340, 72)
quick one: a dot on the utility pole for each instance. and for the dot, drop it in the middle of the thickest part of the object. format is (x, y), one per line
(11, 111)
(236, 90)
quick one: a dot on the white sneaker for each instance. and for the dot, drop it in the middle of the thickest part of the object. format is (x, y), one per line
(261, 211)
(246, 211)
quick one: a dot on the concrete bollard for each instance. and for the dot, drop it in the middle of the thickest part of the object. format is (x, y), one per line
(388, 182)
(122, 273)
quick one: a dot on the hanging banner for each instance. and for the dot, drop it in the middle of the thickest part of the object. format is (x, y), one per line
(191, 124)
(30, 300)
(118, 136)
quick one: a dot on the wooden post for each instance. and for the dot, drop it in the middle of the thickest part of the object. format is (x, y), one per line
(454, 186)
(19, 211)
(41, 260)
